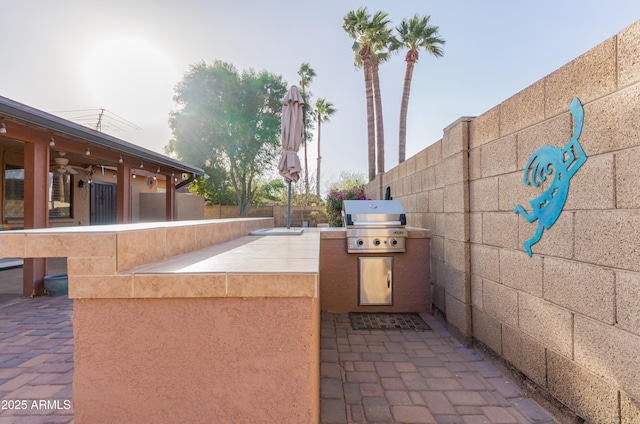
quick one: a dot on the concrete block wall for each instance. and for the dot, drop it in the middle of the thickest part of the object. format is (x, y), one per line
(299, 214)
(567, 318)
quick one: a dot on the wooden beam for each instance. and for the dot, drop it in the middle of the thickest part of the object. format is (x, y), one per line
(123, 201)
(36, 212)
(170, 198)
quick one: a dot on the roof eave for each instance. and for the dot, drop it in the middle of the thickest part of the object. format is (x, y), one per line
(19, 111)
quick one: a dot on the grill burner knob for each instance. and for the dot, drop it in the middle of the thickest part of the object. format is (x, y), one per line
(376, 242)
(394, 242)
(360, 242)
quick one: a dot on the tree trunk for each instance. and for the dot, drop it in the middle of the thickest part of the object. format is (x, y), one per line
(365, 55)
(306, 175)
(412, 57)
(378, 116)
(319, 158)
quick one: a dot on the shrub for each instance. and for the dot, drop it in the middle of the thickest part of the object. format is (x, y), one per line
(334, 202)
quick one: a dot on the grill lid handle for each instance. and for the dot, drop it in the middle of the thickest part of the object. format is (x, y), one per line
(384, 223)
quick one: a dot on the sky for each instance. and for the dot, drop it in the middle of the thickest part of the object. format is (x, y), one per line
(73, 58)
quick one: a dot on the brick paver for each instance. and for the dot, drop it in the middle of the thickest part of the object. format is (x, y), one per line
(366, 376)
(36, 361)
(392, 376)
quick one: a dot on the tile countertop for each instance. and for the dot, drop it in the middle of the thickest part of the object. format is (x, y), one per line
(281, 266)
(292, 254)
(285, 266)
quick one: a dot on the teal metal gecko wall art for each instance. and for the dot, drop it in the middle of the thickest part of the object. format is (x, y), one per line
(563, 164)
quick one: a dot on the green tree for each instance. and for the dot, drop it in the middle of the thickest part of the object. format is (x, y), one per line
(216, 189)
(382, 46)
(228, 123)
(272, 192)
(324, 111)
(415, 33)
(373, 43)
(357, 25)
(306, 74)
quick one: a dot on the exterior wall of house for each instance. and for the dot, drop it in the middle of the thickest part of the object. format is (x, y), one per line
(568, 317)
(188, 208)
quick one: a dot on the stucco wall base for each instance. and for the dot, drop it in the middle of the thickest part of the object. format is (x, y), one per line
(228, 360)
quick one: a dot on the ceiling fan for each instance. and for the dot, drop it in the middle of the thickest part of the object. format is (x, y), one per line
(62, 165)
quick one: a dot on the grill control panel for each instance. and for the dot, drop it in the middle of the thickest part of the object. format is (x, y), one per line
(368, 241)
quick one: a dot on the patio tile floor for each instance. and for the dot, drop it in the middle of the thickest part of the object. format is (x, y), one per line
(404, 376)
(36, 360)
(367, 376)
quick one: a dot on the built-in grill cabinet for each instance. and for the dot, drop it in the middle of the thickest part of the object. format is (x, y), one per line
(375, 226)
(375, 275)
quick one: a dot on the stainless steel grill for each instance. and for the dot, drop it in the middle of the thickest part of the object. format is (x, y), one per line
(374, 226)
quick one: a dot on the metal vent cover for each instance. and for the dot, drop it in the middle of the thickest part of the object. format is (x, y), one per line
(387, 321)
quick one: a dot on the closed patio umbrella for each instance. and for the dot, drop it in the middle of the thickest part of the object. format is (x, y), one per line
(291, 135)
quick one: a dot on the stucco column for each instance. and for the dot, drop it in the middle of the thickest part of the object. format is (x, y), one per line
(123, 196)
(36, 213)
(171, 199)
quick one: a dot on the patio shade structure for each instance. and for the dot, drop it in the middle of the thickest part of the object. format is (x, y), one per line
(291, 135)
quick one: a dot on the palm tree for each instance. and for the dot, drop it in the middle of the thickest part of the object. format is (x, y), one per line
(306, 74)
(356, 24)
(415, 33)
(383, 45)
(324, 111)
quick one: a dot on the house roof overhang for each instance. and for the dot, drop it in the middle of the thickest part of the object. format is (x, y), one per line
(20, 112)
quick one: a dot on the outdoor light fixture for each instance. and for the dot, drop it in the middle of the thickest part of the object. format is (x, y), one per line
(158, 170)
(3, 127)
(52, 142)
(88, 152)
(134, 175)
(155, 177)
(120, 159)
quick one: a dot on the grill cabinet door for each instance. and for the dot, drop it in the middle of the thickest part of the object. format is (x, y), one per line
(375, 280)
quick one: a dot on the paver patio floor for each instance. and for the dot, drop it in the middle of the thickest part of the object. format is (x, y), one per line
(404, 376)
(36, 361)
(367, 376)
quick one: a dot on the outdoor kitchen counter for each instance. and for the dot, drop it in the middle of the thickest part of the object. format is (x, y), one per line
(250, 266)
(189, 322)
(226, 333)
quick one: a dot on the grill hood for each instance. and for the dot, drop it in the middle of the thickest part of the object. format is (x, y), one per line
(373, 213)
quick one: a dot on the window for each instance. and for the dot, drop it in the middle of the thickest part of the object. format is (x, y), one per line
(13, 191)
(59, 193)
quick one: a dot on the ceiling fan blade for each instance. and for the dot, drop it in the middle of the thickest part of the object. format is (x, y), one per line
(70, 170)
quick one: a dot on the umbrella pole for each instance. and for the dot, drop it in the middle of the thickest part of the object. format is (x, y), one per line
(289, 207)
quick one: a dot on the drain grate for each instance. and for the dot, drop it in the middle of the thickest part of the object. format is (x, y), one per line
(387, 321)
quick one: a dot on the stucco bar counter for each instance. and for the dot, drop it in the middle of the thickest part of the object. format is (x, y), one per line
(189, 321)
